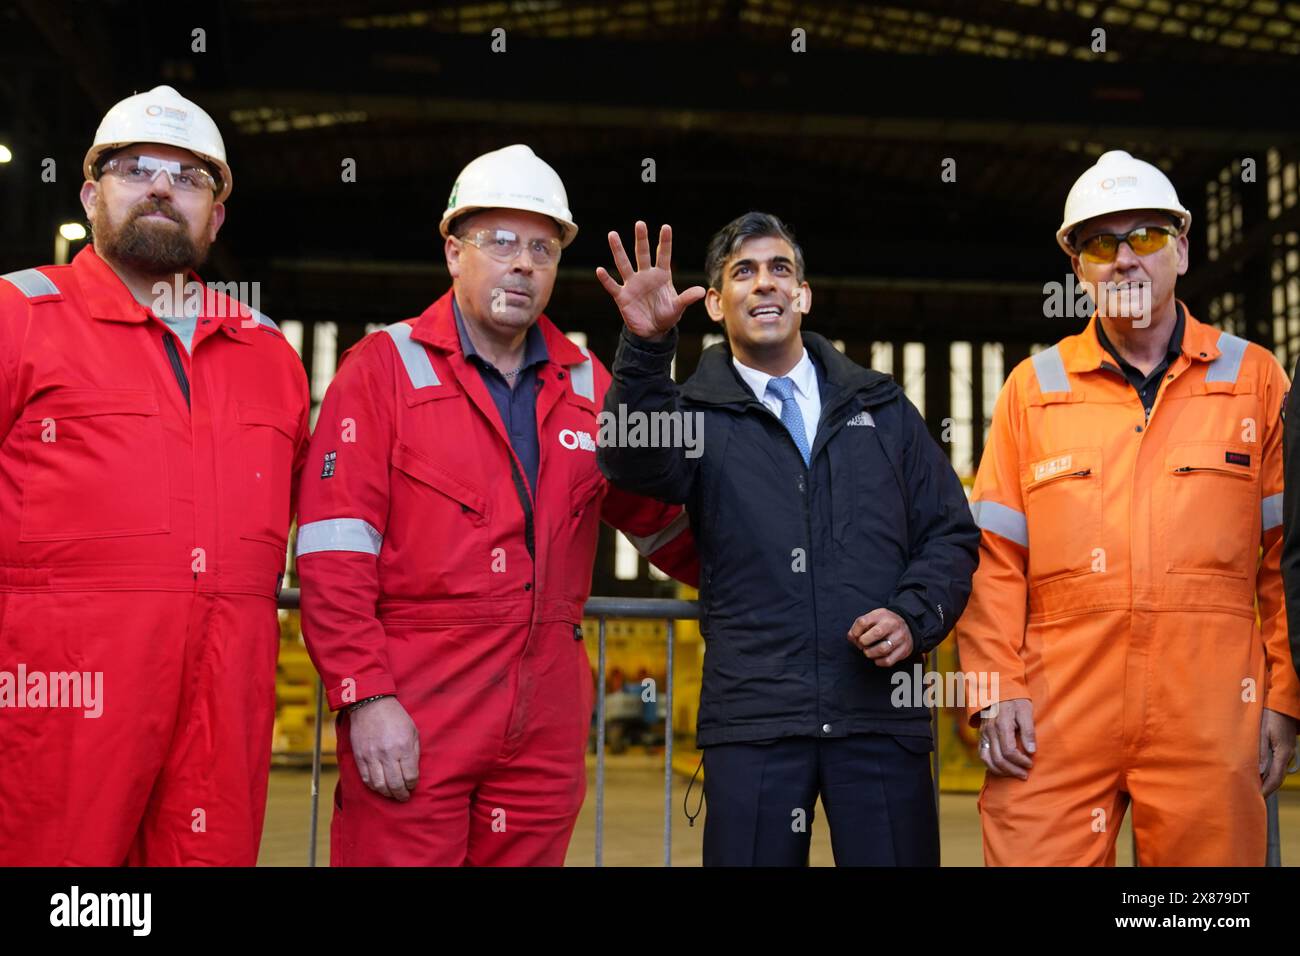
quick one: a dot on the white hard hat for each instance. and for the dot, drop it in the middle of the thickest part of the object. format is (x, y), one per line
(511, 178)
(161, 116)
(1118, 183)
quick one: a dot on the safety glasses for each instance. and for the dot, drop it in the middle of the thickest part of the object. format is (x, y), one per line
(1144, 240)
(139, 170)
(505, 246)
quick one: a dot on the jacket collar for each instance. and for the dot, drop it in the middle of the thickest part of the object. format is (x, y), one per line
(716, 381)
(1083, 352)
(109, 300)
(436, 326)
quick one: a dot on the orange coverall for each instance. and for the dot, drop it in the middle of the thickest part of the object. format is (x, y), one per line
(1119, 569)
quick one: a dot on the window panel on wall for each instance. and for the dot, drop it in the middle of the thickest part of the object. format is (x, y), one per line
(292, 329)
(325, 344)
(994, 376)
(626, 558)
(914, 374)
(882, 357)
(962, 432)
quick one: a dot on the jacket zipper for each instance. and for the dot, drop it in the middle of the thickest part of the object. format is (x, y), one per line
(1184, 469)
(529, 536)
(1073, 474)
(178, 367)
(804, 485)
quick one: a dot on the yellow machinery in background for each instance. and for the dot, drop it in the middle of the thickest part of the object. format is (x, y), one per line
(295, 694)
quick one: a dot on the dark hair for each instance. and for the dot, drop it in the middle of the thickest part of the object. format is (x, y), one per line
(727, 241)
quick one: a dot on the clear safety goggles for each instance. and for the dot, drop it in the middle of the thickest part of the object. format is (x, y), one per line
(141, 170)
(505, 246)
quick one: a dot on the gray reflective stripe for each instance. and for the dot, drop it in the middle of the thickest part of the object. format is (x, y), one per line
(653, 542)
(414, 356)
(1228, 364)
(261, 318)
(31, 283)
(339, 534)
(1271, 510)
(583, 378)
(1007, 522)
(1050, 370)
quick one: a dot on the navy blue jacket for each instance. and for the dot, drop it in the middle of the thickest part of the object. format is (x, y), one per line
(791, 555)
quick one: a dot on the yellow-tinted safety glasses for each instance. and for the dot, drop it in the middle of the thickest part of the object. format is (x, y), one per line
(1144, 240)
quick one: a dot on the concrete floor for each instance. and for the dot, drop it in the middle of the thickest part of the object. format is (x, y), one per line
(634, 820)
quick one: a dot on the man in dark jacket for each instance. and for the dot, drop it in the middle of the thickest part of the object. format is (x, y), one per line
(836, 548)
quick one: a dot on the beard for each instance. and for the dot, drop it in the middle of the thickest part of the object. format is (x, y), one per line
(149, 246)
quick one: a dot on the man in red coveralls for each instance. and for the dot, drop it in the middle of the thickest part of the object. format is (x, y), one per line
(150, 433)
(450, 509)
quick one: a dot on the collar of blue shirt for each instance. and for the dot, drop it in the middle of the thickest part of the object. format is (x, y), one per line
(534, 344)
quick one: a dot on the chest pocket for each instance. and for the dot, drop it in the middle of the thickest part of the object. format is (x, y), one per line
(1063, 509)
(96, 466)
(266, 436)
(1211, 508)
(455, 497)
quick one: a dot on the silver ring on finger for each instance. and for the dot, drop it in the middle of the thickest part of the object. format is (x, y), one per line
(984, 745)
(889, 645)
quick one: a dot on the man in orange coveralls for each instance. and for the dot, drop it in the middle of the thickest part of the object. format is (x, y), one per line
(1132, 474)
(449, 520)
(149, 435)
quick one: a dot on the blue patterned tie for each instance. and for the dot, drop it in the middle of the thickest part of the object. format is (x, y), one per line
(791, 417)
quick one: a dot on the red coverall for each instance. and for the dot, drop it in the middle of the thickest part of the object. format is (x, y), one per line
(142, 544)
(430, 570)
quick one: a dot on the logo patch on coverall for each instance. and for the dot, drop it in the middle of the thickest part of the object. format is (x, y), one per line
(1052, 466)
(1236, 458)
(328, 470)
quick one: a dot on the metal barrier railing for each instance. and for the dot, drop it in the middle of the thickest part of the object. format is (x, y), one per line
(670, 611)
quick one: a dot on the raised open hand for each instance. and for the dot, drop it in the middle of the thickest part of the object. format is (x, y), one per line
(647, 300)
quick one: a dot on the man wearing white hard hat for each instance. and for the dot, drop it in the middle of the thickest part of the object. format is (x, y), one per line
(150, 433)
(1130, 504)
(448, 528)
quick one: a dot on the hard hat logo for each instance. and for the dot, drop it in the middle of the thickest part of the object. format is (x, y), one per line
(180, 116)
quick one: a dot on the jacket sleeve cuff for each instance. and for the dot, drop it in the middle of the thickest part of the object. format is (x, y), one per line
(644, 354)
(1007, 690)
(348, 692)
(927, 631)
(1283, 703)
